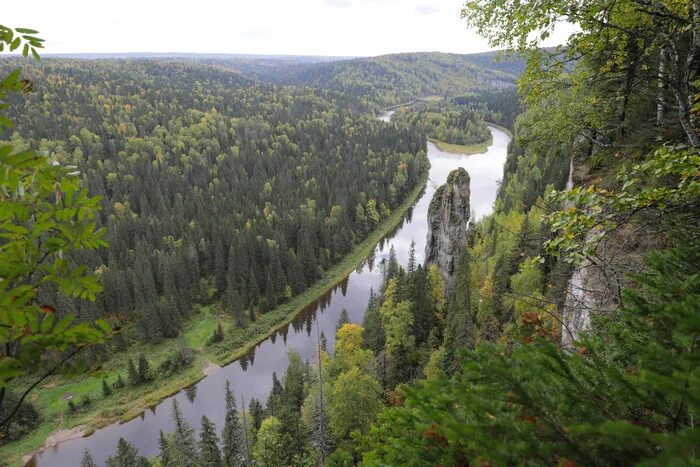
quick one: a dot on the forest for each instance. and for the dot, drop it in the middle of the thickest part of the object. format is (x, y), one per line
(569, 335)
(387, 80)
(212, 188)
(444, 121)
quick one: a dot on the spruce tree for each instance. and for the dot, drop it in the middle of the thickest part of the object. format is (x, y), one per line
(134, 379)
(209, 444)
(234, 305)
(257, 413)
(251, 312)
(87, 460)
(459, 327)
(164, 445)
(324, 342)
(321, 439)
(126, 456)
(412, 257)
(392, 265)
(232, 436)
(143, 369)
(342, 319)
(270, 295)
(106, 390)
(119, 383)
(182, 446)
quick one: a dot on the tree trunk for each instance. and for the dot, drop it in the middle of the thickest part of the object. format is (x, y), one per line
(661, 94)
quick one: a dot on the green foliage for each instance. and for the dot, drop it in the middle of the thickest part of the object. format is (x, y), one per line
(233, 437)
(127, 456)
(134, 378)
(628, 395)
(209, 444)
(633, 44)
(26, 38)
(393, 79)
(355, 401)
(106, 390)
(446, 122)
(181, 446)
(87, 460)
(240, 189)
(270, 447)
(217, 336)
(666, 183)
(24, 421)
(46, 217)
(178, 360)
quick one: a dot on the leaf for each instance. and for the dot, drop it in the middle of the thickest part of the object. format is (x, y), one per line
(63, 324)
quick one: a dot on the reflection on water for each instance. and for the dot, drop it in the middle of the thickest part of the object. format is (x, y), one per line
(251, 376)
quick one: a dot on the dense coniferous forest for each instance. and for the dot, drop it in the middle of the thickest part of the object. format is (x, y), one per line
(501, 107)
(446, 122)
(212, 187)
(399, 78)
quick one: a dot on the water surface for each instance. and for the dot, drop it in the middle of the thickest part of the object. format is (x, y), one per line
(252, 376)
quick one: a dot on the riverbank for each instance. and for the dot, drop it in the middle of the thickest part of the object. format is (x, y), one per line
(127, 403)
(464, 149)
(468, 149)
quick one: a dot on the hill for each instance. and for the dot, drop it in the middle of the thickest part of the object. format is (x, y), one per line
(390, 79)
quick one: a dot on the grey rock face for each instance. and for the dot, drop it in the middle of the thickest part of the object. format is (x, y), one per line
(448, 218)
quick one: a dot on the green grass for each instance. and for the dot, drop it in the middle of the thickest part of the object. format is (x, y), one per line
(127, 403)
(123, 404)
(476, 148)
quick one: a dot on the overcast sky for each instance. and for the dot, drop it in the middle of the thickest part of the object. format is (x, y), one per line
(299, 27)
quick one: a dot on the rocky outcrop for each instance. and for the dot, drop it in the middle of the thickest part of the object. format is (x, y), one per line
(448, 219)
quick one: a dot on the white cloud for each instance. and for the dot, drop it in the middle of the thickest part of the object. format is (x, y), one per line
(426, 9)
(302, 27)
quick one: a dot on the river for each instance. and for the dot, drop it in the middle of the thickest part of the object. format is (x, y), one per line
(252, 376)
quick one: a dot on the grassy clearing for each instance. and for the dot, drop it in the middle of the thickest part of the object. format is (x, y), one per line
(128, 402)
(466, 149)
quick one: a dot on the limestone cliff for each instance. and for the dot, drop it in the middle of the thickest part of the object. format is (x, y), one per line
(448, 218)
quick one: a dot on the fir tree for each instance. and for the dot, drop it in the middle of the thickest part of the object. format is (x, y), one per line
(182, 445)
(143, 369)
(217, 335)
(252, 312)
(392, 268)
(412, 257)
(270, 295)
(257, 413)
(134, 379)
(163, 445)
(342, 319)
(324, 342)
(106, 390)
(87, 460)
(459, 328)
(119, 383)
(209, 444)
(126, 456)
(321, 439)
(232, 436)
